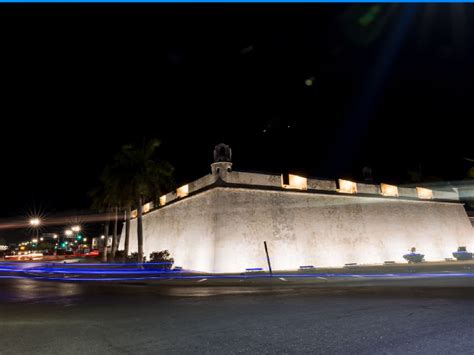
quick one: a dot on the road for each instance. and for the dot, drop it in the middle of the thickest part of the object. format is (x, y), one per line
(41, 317)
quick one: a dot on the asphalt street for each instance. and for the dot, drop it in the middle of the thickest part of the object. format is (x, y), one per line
(416, 316)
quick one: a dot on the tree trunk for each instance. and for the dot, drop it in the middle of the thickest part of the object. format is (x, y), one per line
(114, 239)
(127, 231)
(140, 229)
(119, 236)
(104, 246)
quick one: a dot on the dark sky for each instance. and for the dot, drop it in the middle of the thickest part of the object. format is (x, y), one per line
(391, 88)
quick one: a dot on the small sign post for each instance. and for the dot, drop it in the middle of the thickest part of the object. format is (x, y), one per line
(268, 259)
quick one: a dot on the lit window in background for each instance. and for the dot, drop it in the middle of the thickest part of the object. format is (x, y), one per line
(295, 182)
(425, 194)
(347, 187)
(183, 191)
(389, 190)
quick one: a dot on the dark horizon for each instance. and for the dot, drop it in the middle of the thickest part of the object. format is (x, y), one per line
(319, 90)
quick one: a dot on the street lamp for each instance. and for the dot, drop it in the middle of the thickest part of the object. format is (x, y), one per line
(76, 228)
(35, 223)
(68, 232)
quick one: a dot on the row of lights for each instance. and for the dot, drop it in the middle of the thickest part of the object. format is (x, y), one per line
(346, 186)
(350, 187)
(36, 222)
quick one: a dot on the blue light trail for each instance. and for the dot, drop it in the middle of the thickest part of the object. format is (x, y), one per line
(142, 272)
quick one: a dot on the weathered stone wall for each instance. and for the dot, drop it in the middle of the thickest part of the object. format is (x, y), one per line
(223, 229)
(185, 228)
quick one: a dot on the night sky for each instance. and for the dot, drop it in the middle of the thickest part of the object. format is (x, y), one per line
(319, 90)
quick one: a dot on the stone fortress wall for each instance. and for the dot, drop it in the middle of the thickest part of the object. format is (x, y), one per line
(219, 222)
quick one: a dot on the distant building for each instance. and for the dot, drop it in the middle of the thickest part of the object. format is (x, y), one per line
(219, 222)
(98, 242)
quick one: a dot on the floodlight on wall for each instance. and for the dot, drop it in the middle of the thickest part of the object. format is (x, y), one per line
(147, 207)
(182, 191)
(163, 200)
(347, 187)
(425, 194)
(295, 182)
(389, 190)
(134, 214)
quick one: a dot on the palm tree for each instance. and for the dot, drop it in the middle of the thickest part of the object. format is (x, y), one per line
(128, 216)
(115, 195)
(142, 178)
(123, 196)
(101, 202)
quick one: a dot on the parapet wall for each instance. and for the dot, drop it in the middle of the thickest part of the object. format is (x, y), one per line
(368, 189)
(310, 185)
(322, 185)
(256, 179)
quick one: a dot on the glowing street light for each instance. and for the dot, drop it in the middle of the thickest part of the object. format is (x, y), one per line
(76, 228)
(55, 236)
(35, 222)
(68, 232)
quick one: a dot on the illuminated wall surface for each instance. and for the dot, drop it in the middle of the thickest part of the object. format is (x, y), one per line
(223, 229)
